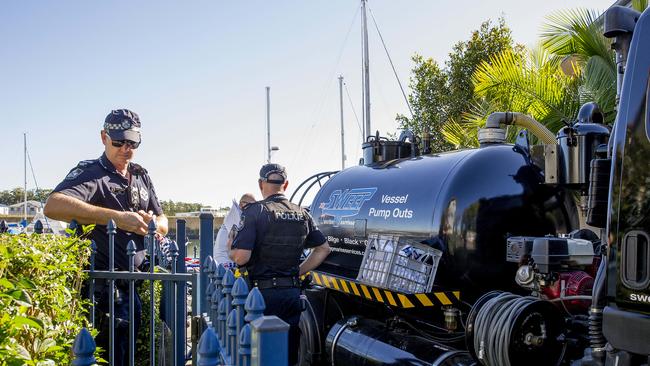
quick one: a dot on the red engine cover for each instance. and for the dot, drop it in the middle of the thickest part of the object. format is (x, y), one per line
(575, 283)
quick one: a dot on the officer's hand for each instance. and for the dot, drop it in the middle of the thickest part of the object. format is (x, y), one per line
(147, 216)
(132, 222)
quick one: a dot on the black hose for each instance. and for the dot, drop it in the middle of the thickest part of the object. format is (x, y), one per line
(493, 326)
(596, 338)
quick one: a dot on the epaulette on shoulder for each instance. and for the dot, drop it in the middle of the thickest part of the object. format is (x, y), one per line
(137, 169)
(87, 163)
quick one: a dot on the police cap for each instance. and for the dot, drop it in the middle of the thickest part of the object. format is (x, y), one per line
(123, 124)
(269, 169)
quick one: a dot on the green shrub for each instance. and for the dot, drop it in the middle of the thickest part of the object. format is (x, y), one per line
(41, 310)
(143, 341)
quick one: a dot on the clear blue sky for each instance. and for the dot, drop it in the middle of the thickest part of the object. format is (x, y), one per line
(196, 73)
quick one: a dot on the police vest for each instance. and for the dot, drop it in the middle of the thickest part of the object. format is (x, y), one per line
(279, 252)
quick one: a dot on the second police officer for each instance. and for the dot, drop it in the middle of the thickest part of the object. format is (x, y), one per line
(270, 241)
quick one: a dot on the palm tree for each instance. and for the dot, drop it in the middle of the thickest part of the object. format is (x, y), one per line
(574, 64)
(527, 81)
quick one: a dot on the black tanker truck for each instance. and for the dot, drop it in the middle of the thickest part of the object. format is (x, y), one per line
(508, 254)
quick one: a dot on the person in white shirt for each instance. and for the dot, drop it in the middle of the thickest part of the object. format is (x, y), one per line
(226, 231)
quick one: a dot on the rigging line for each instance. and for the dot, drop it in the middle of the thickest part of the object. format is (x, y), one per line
(328, 85)
(352, 106)
(31, 167)
(391, 62)
(363, 86)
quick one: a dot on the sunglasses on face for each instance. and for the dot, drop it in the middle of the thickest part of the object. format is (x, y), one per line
(131, 144)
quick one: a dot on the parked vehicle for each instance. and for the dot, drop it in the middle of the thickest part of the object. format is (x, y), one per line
(509, 254)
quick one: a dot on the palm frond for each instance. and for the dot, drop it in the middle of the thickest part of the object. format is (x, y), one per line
(639, 5)
(530, 84)
(600, 86)
(575, 32)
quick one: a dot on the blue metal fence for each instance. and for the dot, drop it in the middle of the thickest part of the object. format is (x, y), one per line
(175, 280)
(236, 332)
(227, 316)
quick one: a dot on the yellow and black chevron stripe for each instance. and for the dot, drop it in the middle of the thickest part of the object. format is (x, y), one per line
(388, 297)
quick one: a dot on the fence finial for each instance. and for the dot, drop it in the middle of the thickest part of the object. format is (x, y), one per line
(110, 228)
(228, 281)
(130, 248)
(231, 335)
(38, 227)
(208, 348)
(245, 345)
(152, 227)
(212, 268)
(254, 305)
(239, 292)
(83, 349)
(220, 272)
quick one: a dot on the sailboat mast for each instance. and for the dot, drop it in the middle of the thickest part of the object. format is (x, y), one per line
(366, 71)
(342, 128)
(268, 124)
(25, 175)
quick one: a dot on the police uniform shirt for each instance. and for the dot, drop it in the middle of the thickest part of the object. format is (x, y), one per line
(253, 227)
(98, 183)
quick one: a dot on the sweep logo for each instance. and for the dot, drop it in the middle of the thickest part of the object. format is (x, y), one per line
(346, 203)
(640, 298)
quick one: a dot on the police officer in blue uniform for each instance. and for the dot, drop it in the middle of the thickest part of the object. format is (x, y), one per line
(270, 240)
(112, 187)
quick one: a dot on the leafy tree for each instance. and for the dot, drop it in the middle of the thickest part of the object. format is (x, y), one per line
(428, 99)
(439, 95)
(530, 82)
(171, 208)
(16, 195)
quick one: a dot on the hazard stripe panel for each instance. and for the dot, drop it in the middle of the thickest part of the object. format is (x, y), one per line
(388, 297)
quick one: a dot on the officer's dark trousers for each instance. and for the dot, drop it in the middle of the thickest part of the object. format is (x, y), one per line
(121, 342)
(285, 304)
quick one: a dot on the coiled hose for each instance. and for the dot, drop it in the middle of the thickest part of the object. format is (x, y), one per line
(493, 326)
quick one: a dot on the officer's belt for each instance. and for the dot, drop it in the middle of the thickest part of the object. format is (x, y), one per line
(276, 282)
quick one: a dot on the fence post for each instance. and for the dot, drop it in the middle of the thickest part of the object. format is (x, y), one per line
(83, 349)
(239, 294)
(208, 293)
(254, 305)
(214, 310)
(221, 322)
(91, 290)
(111, 229)
(208, 348)
(227, 282)
(244, 346)
(232, 337)
(130, 252)
(269, 341)
(175, 320)
(38, 227)
(150, 239)
(180, 335)
(217, 296)
(210, 268)
(206, 241)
